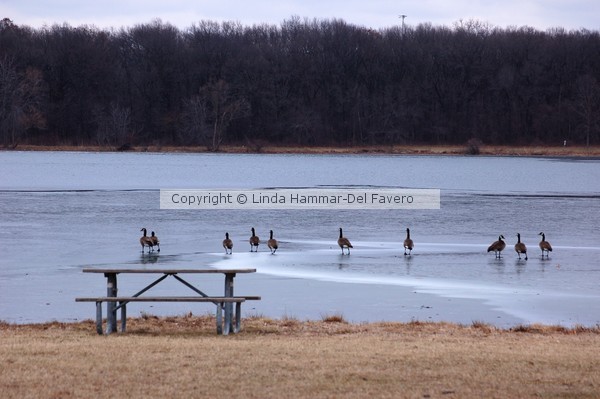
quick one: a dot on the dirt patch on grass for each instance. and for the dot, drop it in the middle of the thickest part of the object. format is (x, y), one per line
(183, 357)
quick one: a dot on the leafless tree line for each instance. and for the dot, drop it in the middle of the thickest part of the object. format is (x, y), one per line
(304, 82)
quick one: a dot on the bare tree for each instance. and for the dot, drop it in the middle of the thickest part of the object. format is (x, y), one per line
(587, 105)
(114, 126)
(20, 102)
(222, 108)
(193, 129)
(8, 112)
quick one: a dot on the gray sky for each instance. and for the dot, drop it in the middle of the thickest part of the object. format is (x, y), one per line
(540, 14)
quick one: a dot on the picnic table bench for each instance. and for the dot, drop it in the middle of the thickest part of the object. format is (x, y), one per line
(232, 318)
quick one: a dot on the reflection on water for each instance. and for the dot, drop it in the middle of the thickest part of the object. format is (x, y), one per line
(53, 226)
(520, 265)
(149, 258)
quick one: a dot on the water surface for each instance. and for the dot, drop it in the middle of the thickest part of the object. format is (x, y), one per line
(64, 211)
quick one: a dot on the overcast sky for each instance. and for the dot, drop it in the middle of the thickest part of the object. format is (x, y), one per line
(540, 14)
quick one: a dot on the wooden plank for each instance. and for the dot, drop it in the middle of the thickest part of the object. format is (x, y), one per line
(249, 297)
(167, 271)
(193, 298)
(163, 299)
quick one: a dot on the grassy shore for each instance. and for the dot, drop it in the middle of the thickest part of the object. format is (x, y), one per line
(557, 151)
(182, 357)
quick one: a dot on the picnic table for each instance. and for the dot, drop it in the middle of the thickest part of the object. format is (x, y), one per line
(114, 302)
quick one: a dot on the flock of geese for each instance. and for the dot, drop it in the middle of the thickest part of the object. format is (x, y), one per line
(344, 243)
(254, 242)
(520, 247)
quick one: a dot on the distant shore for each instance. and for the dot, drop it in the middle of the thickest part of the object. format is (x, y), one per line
(489, 150)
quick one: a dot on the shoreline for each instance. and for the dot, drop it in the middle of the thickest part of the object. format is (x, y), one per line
(204, 323)
(484, 150)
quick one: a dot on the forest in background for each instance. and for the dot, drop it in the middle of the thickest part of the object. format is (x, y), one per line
(304, 82)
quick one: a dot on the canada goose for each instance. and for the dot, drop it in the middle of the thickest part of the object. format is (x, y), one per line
(408, 243)
(497, 246)
(545, 245)
(155, 241)
(228, 244)
(520, 247)
(254, 241)
(146, 241)
(272, 243)
(344, 242)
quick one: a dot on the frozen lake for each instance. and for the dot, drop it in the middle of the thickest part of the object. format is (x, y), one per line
(64, 211)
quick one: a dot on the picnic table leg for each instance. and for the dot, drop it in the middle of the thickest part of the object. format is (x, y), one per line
(111, 312)
(219, 317)
(228, 306)
(227, 325)
(123, 316)
(99, 317)
(238, 317)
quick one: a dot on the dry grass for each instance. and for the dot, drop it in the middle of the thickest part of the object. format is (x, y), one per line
(183, 357)
(551, 151)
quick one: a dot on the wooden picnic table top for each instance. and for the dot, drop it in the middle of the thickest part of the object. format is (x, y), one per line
(166, 271)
